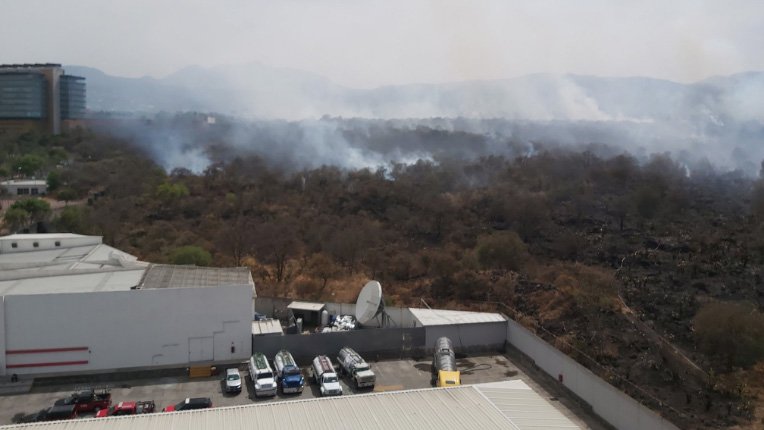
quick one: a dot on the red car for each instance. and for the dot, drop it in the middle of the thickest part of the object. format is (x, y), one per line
(189, 404)
(127, 408)
(87, 401)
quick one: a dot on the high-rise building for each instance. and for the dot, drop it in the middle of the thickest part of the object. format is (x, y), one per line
(40, 96)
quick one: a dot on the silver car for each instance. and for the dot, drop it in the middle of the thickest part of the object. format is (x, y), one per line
(232, 381)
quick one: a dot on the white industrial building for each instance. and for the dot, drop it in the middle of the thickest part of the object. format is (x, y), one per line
(71, 304)
(24, 187)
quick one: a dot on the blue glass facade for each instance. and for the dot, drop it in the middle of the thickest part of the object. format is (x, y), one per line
(23, 95)
(72, 97)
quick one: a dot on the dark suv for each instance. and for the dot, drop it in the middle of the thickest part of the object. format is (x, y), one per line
(189, 404)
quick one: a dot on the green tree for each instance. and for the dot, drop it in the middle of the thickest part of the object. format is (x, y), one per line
(503, 250)
(29, 164)
(169, 192)
(73, 219)
(16, 218)
(191, 254)
(37, 209)
(66, 194)
(54, 181)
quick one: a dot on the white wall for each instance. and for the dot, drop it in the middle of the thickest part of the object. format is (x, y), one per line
(2, 335)
(610, 403)
(43, 242)
(128, 329)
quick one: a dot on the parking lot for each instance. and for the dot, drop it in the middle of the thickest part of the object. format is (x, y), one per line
(391, 375)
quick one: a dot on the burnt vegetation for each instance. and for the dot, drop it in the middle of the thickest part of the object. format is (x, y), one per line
(645, 272)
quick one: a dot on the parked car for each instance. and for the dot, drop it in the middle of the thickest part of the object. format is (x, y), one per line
(128, 408)
(87, 401)
(289, 375)
(232, 381)
(190, 404)
(53, 413)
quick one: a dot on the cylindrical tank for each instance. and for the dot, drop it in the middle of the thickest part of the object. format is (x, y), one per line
(444, 358)
(443, 343)
(298, 323)
(324, 318)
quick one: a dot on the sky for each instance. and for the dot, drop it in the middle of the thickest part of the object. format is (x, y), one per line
(364, 44)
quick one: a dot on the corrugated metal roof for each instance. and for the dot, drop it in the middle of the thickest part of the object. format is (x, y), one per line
(524, 407)
(267, 326)
(98, 267)
(306, 306)
(431, 317)
(171, 276)
(67, 281)
(465, 407)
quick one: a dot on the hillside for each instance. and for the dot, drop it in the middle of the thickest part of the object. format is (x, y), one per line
(649, 277)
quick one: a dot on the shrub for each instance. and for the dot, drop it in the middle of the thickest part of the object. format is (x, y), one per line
(191, 255)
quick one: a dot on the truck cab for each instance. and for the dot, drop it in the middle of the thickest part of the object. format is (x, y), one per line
(262, 375)
(356, 368)
(326, 377)
(289, 375)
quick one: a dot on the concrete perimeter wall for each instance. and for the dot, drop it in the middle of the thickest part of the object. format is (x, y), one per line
(372, 344)
(610, 403)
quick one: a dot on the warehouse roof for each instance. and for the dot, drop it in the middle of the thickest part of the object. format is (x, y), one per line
(505, 405)
(266, 326)
(24, 182)
(73, 263)
(172, 276)
(306, 306)
(431, 317)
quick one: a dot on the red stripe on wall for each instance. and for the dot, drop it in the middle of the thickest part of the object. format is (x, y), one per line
(41, 351)
(58, 363)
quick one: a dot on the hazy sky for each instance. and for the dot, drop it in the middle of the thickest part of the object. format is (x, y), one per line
(363, 43)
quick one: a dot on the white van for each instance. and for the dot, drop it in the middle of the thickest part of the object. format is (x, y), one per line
(262, 375)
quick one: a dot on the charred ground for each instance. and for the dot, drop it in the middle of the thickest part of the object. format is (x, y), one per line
(645, 272)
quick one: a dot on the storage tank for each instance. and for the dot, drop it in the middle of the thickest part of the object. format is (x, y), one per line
(324, 318)
(298, 323)
(444, 358)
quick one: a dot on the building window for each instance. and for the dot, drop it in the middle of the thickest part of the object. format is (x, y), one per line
(14, 245)
(22, 191)
(34, 191)
(58, 243)
(36, 244)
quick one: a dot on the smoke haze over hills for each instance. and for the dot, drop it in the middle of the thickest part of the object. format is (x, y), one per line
(302, 120)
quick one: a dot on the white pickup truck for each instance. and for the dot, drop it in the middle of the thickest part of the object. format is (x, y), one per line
(326, 377)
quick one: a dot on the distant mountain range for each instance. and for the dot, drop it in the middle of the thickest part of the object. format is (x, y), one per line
(260, 91)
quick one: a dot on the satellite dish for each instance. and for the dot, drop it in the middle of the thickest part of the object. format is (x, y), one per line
(369, 303)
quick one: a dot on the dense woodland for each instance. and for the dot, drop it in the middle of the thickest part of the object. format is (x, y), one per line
(647, 273)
